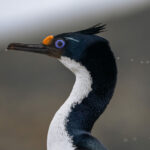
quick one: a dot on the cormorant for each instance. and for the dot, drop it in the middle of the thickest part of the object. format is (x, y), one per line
(90, 58)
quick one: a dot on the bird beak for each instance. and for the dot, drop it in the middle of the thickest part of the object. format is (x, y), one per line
(36, 48)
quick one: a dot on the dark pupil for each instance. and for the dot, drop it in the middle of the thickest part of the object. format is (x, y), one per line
(59, 43)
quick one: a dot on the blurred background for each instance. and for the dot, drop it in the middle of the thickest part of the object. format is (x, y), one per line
(28, 82)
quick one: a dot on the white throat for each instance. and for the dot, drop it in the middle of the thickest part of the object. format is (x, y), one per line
(58, 138)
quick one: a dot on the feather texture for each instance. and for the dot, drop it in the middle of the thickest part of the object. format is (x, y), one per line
(98, 28)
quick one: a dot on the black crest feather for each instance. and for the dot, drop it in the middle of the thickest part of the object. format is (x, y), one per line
(98, 28)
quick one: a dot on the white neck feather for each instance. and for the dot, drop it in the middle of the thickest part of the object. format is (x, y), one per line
(58, 137)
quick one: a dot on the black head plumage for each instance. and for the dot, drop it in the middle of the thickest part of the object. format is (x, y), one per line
(98, 28)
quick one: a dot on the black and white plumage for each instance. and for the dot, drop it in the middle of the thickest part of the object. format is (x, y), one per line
(90, 58)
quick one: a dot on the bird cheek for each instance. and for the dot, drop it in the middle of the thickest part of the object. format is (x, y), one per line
(56, 53)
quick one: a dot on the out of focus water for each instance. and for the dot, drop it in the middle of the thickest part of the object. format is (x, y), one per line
(32, 88)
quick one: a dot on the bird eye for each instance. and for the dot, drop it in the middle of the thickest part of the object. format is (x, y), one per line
(60, 43)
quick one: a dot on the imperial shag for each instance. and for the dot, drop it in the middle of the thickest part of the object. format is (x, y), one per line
(90, 58)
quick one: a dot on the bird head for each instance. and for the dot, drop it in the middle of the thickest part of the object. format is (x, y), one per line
(71, 45)
(82, 47)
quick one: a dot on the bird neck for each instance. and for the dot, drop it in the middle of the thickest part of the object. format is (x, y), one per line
(83, 81)
(79, 112)
(91, 93)
(88, 99)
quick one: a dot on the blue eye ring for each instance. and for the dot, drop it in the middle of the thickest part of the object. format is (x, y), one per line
(60, 43)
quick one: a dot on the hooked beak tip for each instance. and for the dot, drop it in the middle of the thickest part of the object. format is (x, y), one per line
(10, 46)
